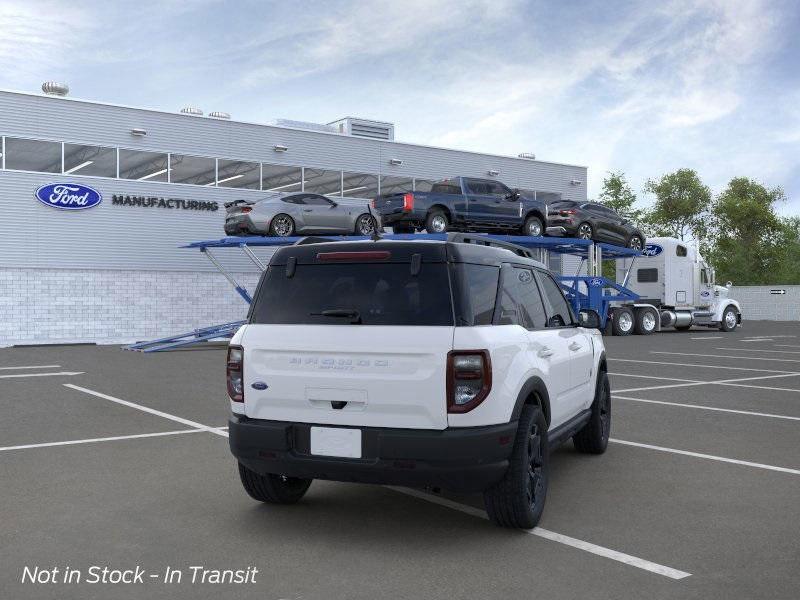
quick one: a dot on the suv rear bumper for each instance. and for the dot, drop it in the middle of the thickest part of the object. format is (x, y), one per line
(465, 459)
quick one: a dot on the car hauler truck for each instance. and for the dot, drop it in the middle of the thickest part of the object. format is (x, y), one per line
(676, 288)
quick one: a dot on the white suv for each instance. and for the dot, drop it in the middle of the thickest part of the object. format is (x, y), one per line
(441, 364)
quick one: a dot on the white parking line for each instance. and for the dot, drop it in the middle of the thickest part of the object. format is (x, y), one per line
(103, 439)
(674, 364)
(708, 337)
(727, 410)
(707, 456)
(666, 377)
(147, 409)
(31, 367)
(627, 559)
(18, 375)
(734, 382)
(756, 340)
(759, 350)
(795, 360)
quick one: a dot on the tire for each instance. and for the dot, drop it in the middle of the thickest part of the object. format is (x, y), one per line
(729, 320)
(584, 231)
(635, 242)
(436, 221)
(622, 323)
(593, 437)
(518, 499)
(282, 225)
(365, 225)
(645, 321)
(271, 488)
(402, 228)
(533, 227)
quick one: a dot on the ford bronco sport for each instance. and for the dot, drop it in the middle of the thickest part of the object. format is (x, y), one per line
(446, 364)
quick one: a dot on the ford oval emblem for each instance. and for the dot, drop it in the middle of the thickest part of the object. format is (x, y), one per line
(652, 250)
(595, 282)
(259, 385)
(68, 196)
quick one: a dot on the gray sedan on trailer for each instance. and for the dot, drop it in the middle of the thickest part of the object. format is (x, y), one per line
(301, 213)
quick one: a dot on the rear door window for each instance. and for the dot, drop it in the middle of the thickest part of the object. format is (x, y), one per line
(559, 313)
(354, 293)
(520, 301)
(446, 187)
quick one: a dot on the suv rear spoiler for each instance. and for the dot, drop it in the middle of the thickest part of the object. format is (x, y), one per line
(482, 240)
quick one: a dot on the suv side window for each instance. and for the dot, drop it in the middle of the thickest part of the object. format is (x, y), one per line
(520, 301)
(446, 187)
(559, 313)
(475, 186)
(497, 189)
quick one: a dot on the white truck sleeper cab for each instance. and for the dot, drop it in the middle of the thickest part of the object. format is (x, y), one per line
(676, 288)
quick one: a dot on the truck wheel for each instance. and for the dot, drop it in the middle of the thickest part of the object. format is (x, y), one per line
(622, 321)
(271, 488)
(645, 323)
(585, 231)
(436, 222)
(533, 227)
(517, 500)
(593, 437)
(635, 242)
(729, 320)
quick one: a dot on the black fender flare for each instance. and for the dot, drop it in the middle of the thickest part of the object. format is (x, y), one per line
(535, 212)
(533, 387)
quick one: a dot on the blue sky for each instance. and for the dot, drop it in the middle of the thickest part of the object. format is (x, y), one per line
(641, 87)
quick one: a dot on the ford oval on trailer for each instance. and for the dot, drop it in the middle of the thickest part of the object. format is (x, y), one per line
(676, 288)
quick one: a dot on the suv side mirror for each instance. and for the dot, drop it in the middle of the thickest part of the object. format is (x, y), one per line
(334, 204)
(513, 195)
(589, 319)
(729, 284)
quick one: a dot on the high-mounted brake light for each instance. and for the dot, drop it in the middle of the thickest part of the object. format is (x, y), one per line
(469, 379)
(408, 202)
(235, 373)
(367, 255)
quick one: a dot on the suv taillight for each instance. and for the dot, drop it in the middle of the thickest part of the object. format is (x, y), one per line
(235, 373)
(408, 202)
(469, 379)
(372, 203)
(570, 211)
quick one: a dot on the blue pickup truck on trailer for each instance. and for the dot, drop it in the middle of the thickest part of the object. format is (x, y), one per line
(464, 204)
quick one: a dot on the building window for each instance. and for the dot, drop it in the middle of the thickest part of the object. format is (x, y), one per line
(320, 181)
(33, 155)
(423, 185)
(359, 185)
(238, 174)
(280, 178)
(143, 166)
(196, 170)
(396, 185)
(90, 160)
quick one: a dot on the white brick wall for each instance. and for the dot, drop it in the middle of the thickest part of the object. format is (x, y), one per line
(39, 306)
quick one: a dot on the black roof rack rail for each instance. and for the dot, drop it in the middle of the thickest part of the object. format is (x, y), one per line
(483, 240)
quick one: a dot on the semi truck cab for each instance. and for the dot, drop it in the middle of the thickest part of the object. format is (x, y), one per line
(672, 277)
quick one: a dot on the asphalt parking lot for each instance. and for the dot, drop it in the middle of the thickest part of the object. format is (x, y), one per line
(114, 458)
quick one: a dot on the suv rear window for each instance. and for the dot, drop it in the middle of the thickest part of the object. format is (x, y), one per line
(378, 293)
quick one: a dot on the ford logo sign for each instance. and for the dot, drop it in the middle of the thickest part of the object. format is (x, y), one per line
(68, 196)
(595, 282)
(652, 250)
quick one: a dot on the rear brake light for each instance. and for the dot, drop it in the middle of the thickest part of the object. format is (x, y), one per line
(469, 379)
(570, 211)
(368, 255)
(372, 203)
(246, 209)
(235, 373)
(408, 202)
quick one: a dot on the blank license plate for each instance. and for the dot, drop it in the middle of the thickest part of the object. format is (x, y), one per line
(333, 441)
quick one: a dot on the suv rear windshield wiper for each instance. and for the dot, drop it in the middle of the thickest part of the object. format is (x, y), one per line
(351, 313)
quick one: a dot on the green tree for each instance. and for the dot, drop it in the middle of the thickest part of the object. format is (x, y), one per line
(681, 206)
(618, 195)
(751, 244)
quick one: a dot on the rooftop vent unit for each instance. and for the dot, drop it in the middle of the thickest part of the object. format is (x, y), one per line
(303, 125)
(219, 115)
(53, 88)
(376, 130)
(527, 155)
(192, 110)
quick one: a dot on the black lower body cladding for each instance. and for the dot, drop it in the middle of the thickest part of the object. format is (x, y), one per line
(464, 459)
